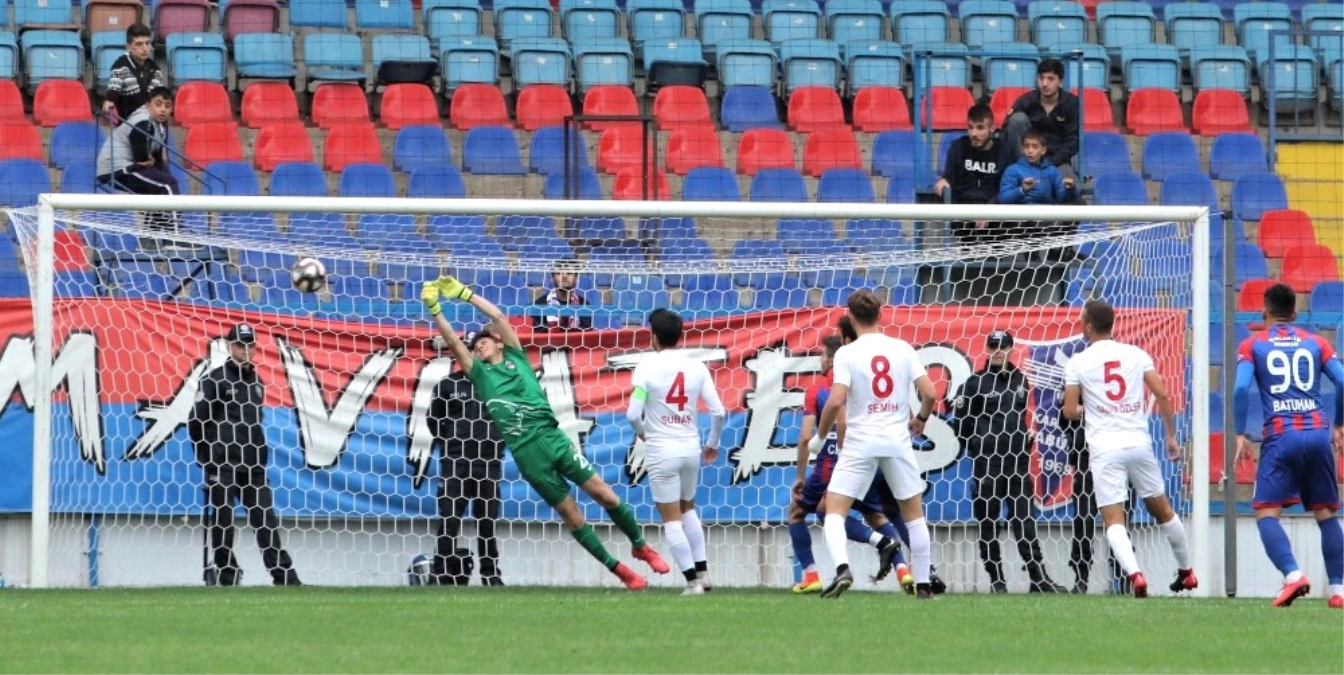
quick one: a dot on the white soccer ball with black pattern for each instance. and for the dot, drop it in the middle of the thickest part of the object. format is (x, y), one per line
(309, 275)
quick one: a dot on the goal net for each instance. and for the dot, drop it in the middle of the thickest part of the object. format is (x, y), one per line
(129, 316)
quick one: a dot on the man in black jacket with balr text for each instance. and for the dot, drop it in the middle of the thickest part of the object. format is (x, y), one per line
(973, 170)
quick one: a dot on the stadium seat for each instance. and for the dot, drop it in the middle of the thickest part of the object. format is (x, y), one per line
(546, 153)
(110, 15)
(408, 104)
(813, 108)
(366, 180)
(1104, 152)
(403, 59)
(1251, 297)
(468, 60)
(281, 142)
(21, 181)
(492, 150)
(1169, 152)
(985, 22)
(1151, 66)
(1054, 23)
(854, 20)
(630, 185)
(661, 230)
(248, 16)
(1085, 63)
(897, 153)
(197, 56)
(269, 103)
(919, 21)
(655, 20)
(1011, 65)
(582, 20)
(1097, 114)
(1217, 66)
(1327, 304)
(298, 179)
(674, 62)
(623, 147)
(74, 143)
(609, 100)
(831, 149)
(948, 108)
(720, 20)
(901, 189)
(213, 142)
(339, 103)
(384, 15)
(80, 179)
(180, 16)
(747, 63)
(1250, 264)
(693, 147)
(1324, 17)
(588, 185)
(52, 14)
(810, 63)
(710, 184)
(759, 149)
(788, 293)
(750, 249)
(640, 292)
(1235, 154)
(801, 236)
(199, 102)
(1255, 193)
(318, 14)
(420, 146)
(1120, 189)
(20, 140)
(778, 185)
(749, 107)
(333, 57)
(539, 60)
(845, 186)
(1292, 76)
(1192, 24)
(603, 61)
(873, 63)
(58, 101)
(681, 106)
(521, 19)
(451, 19)
(11, 99)
(1283, 229)
(231, 178)
(1307, 265)
(1219, 111)
(1120, 24)
(543, 105)
(1003, 99)
(1152, 111)
(784, 20)
(1188, 189)
(1255, 20)
(478, 105)
(436, 182)
(878, 109)
(354, 143)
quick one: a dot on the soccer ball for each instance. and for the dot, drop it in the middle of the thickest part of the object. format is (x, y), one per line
(309, 275)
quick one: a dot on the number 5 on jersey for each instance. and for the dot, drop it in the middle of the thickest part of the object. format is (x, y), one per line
(1112, 376)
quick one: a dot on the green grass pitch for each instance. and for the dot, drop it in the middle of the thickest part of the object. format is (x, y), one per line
(599, 630)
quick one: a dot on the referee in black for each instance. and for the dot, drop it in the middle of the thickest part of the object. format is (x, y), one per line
(991, 415)
(230, 444)
(471, 466)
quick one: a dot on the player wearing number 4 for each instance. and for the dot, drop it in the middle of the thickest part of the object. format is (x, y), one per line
(503, 377)
(1284, 363)
(667, 392)
(1107, 380)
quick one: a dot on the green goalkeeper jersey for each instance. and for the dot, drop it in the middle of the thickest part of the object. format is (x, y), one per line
(513, 397)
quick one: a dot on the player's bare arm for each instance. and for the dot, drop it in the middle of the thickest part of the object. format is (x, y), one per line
(829, 414)
(499, 322)
(431, 295)
(927, 398)
(804, 438)
(718, 416)
(1073, 402)
(1166, 410)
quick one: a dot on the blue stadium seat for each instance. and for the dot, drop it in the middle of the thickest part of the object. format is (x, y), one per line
(419, 146)
(810, 63)
(710, 184)
(298, 179)
(1151, 66)
(231, 178)
(898, 152)
(521, 19)
(1255, 20)
(743, 63)
(749, 107)
(790, 20)
(659, 230)
(597, 228)
(1192, 24)
(1120, 189)
(845, 186)
(919, 21)
(876, 234)
(1292, 75)
(854, 20)
(1323, 17)
(682, 59)
(352, 291)
(709, 291)
(874, 64)
(468, 60)
(318, 14)
(778, 185)
(1010, 64)
(80, 178)
(73, 143)
(789, 293)
(438, 182)
(582, 20)
(246, 225)
(719, 20)
(334, 57)
(539, 60)
(449, 230)
(451, 18)
(624, 254)
(142, 280)
(1122, 291)
(78, 285)
(367, 180)
(1056, 22)
(546, 153)
(384, 15)
(1170, 152)
(21, 181)
(589, 185)
(197, 57)
(327, 230)
(600, 61)
(106, 46)
(986, 22)
(40, 12)
(51, 55)
(1326, 304)
(9, 56)
(753, 249)
(1105, 152)
(1121, 24)
(1235, 154)
(654, 20)
(400, 48)
(948, 64)
(1255, 193)
(1094, 62)
(492, 150)
(838, 288)
(943, 145)
(1250, 264)
(264, 56)
(1189, 189)
(1220, 67)
(806, 236)
(643, 292)
(901, 189)
(393, 232)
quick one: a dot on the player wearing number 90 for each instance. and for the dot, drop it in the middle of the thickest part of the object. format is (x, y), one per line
(1285, 364)
(548, 461)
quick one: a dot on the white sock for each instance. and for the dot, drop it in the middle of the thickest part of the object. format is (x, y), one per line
(695, 534)
(681, 549)
(1335, 589)
(1180, 547)
(875, 539)
(1292, 577)
(1122, 549)
(810, 569)
(921, 549)
(833, 527)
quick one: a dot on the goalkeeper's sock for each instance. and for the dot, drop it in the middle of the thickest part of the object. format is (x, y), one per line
(1121, 548)
(889, 531)
(681, 549)
(855, 530)
(921, 550)
(625, 521)
(899, 523)
(1277, 547)
(802, 545)
(587, 538)
(1180, 546)
(833, 526)
(695, 534)
(1332, 546)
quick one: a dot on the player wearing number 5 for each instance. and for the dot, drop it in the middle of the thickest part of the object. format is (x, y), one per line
(667, 392)
(499, 370)
(1285, 364)
(1107, 381)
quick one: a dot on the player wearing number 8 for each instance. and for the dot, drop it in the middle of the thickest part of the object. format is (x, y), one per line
(1285, 364)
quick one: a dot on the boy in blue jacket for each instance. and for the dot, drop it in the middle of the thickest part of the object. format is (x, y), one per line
(1033, 179)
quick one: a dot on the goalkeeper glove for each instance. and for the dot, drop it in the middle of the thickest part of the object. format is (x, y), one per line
(814, 445)
(453, 289)
(430, 296)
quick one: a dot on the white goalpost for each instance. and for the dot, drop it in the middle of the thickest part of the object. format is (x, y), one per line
(127, 319)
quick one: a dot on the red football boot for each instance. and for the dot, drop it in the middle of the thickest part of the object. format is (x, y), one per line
(630, 578)
(1336, 602)
(651, 557)
(1140, 584)
(1185, 581)
(1291, 592)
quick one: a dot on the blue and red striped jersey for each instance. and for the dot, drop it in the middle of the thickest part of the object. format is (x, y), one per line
(813, 403)
(1290, 363)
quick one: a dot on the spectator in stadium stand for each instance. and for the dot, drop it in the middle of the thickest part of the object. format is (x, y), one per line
(133, 158)
(230, 444)
(471, 467)
(1032, 179)
(973, 170)
(564, 291)
(1051, 111)
(134, 75)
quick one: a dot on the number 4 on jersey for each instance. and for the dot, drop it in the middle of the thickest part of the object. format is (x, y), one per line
(676, 394)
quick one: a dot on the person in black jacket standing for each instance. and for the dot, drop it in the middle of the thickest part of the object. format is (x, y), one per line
(230, 444)
(1050, 110)
(471, 467)
(973, 170)
(991, 414)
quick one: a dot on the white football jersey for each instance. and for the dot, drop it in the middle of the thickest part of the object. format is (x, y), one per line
(1110, 375)
(880, 372)
(675, 385)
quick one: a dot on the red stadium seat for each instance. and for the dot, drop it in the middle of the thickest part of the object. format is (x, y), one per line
(59, 101)
(833, 149)
(70, 253)
(680, 106)
(693, 147)
(213, 142)
(268, 103)
(351, 144)
(1005, 97)
(878, 109)
(20, 140)
(1152, 111)
(249, 16)
(1251, 297)
(408, 104)
(478, 105)
(949, 108)
(1097, 114)
(543, 105)
(609, 99)
(11, 102)
(1245, 469)
(628, 186)
(201, 102)
(1283, 229)
(1219, 111)
(1305, 266)
(813, 108)
(339, 103)
(764, 149)
(620, 148)
(281, 142)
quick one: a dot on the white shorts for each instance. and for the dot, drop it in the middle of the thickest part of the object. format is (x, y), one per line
(854, 473)
(1113, 472)
(674, 479)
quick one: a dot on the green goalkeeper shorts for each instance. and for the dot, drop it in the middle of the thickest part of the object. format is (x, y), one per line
(550, 463)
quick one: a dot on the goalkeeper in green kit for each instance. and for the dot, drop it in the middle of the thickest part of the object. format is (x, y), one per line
(497, 366)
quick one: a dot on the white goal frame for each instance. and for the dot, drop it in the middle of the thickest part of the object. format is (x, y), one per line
(44, 280)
